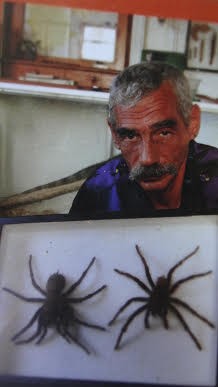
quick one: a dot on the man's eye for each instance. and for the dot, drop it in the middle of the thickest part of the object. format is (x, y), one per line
(130, 135)
(126, 134)
(165, 133)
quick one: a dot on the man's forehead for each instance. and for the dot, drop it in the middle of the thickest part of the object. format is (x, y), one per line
(166, 93)
(161, 104)
(156, 125)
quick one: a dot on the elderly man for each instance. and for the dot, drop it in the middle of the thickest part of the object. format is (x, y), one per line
(154, 123)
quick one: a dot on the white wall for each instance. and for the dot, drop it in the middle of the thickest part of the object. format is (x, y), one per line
(43, 140)
(209, 129)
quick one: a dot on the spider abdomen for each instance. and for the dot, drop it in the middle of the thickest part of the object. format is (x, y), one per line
(55, 309)
(159, 297)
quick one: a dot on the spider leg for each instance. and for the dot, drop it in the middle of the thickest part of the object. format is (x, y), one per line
(76, 341)
(127, 323)
(124, 306)
(59, 330)
(28, 299)
(165, 321)
(42, 335)
(31, 338)
(189, 278)
(80, 299)
(185, 326)
(170, 273)
(78, 282)
(147, 314)
(81, 322)
(191, 310)
(147, 271)
(36, 286)
(135, 279)
(33, 319)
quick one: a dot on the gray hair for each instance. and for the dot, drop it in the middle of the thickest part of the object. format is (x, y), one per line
(137, 81)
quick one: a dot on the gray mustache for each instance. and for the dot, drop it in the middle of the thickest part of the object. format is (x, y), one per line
(141, 172)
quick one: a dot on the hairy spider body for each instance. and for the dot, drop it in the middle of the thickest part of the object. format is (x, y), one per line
(158, 302)
(56, 310)
(159, 299)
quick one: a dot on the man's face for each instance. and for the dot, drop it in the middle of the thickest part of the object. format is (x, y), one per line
(152, 134)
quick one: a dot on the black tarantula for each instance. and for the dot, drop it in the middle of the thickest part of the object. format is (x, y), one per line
(56, 308)
(159, 299)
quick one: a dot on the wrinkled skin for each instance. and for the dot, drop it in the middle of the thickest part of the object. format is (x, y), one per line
(153, 131)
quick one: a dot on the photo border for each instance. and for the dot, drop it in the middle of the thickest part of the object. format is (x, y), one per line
(198, 9)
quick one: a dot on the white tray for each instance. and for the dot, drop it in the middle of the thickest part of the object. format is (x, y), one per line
(146, 356)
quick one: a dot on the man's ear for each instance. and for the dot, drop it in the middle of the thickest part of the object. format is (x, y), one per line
(114, 136)
(195, 119)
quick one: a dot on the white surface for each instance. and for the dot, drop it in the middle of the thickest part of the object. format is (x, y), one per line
(137, 39)
(54, 92)
(148, 356)
(169, 35)
(43, 140)
(97, 97)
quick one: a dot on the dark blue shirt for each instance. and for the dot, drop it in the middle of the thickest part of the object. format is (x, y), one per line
(110, 190)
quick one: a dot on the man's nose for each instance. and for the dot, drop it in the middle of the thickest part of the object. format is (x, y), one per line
(148, 153)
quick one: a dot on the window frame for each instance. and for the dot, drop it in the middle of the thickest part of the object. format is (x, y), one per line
(12, 20)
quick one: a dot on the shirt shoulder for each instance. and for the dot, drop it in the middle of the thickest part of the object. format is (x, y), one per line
(206, 159)
(98, 193)
(107, 174)
(206, 163)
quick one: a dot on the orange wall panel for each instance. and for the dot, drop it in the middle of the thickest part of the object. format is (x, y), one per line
(204, 10)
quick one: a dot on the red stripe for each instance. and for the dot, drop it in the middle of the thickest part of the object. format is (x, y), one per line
(204, 10)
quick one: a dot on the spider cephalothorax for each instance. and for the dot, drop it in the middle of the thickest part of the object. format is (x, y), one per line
(56, 309)
(159, 299)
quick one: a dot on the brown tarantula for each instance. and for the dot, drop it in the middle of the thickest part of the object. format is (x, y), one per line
(56, 308)
(159, 299)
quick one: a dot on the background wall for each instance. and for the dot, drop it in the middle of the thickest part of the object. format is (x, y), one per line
(44, 140)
